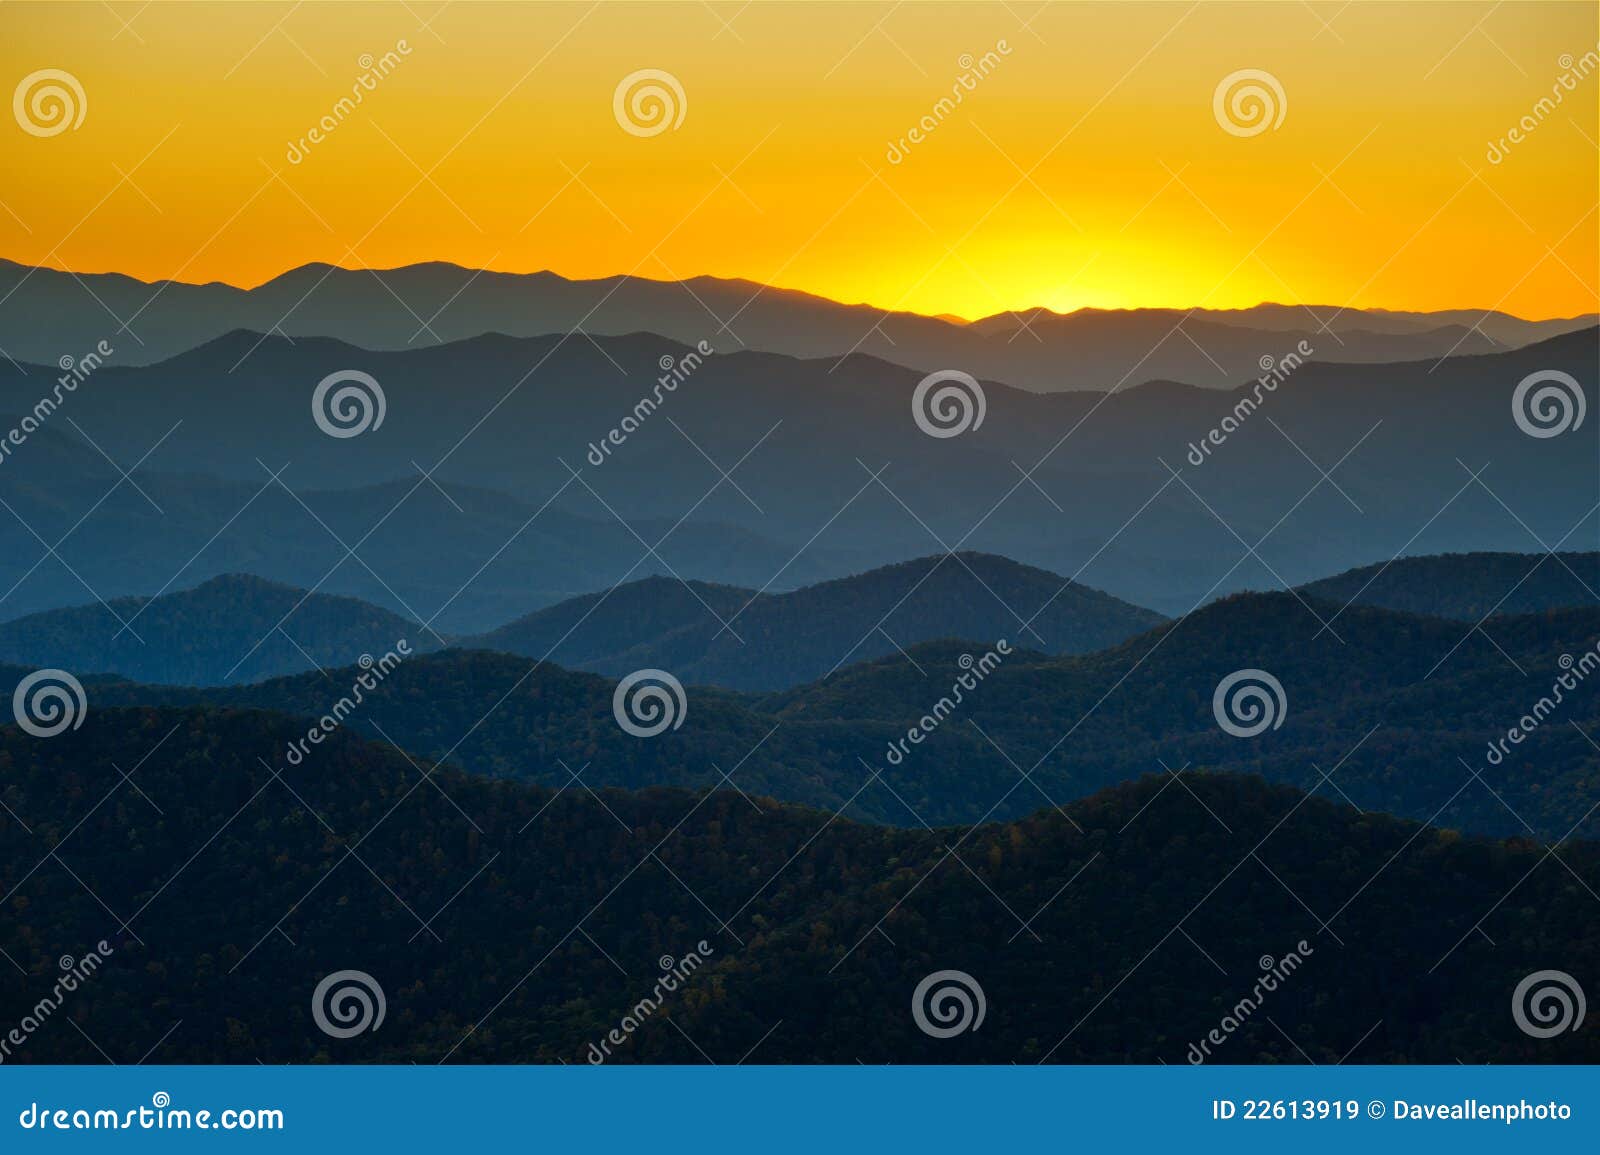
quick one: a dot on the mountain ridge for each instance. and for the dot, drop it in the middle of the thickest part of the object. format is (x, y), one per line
(229, 925)
(360, 305)
(1095, 497)
(866, 614)
(1388, 701)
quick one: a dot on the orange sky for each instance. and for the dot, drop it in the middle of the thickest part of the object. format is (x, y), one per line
(1086, 168)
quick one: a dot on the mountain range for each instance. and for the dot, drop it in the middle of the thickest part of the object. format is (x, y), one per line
(238, 629)
(75, 530)
(1340, 465)
(234, 628)
(748, 640)
(1111, 742)
(1385, 710)
(505, 922)
(1470, 587)
(45, 313)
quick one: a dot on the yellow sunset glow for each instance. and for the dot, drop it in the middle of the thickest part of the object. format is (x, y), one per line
(1085, 167)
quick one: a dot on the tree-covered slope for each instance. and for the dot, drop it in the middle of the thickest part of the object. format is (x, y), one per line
(231, 629)
(1398, 711)
(747, 640)
(1469, 586)
(512, 923)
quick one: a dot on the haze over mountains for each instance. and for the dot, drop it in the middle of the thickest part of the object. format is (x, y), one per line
(235, 628)
(1471, 587)
(747, 640)
(182, 535)
(46, 312)
(1406, 706)
(75, 529)
(1340, 466)
(238, 629)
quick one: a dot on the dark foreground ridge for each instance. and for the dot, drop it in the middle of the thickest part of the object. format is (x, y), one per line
(505, 922)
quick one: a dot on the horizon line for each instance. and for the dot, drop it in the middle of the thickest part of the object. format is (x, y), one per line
(949, 317)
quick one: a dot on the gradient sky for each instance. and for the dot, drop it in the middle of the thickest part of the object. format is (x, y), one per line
(1086, 169)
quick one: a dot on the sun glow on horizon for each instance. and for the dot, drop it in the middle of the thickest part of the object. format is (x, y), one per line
(1084, 164)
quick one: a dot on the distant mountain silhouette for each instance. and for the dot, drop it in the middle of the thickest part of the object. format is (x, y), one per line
(458, 558)
(1469, 586)
(1499, 328)
(198, 636)
(237, 629)
(778, 640)
(464, 900)
(1074, 483)
(233, 628)
(48, 312)
(1405, 706)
